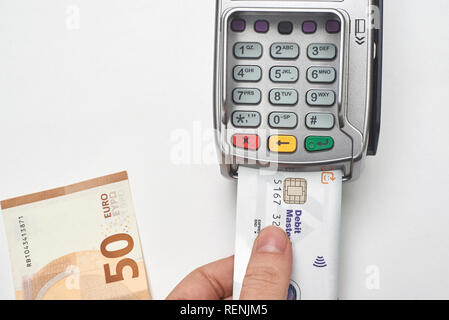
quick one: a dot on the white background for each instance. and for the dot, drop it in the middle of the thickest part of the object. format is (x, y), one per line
(112, 94)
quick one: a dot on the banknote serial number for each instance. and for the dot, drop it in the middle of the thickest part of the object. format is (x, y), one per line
(25, 243)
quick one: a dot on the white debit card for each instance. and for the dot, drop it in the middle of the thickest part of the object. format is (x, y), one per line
(307, 206)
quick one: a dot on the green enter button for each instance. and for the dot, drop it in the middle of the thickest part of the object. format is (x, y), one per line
(319, 143)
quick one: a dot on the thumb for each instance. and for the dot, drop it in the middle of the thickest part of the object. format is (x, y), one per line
(270, 266)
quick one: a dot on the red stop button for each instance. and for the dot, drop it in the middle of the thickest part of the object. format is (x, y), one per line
(246, 141)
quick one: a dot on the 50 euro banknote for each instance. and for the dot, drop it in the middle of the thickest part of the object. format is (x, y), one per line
(76, 242)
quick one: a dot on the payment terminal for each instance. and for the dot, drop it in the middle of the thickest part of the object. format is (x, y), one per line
(297, 95)
(298, 84)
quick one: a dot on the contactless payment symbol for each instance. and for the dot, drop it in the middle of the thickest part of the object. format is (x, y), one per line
(320, 262)
(327, 177)
(295, 191)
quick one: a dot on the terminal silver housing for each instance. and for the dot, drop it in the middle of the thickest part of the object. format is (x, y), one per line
(358, 84)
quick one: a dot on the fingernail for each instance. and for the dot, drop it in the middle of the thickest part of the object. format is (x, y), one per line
(271, 240)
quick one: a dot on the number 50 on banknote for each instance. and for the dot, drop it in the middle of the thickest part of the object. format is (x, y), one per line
(76, 242)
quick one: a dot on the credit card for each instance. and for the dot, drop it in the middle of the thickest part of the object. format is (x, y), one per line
(307, 205)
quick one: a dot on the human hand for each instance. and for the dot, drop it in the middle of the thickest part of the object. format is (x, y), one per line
(267, 276)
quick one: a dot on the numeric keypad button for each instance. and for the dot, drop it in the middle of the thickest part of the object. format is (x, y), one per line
(322, 51)
(246, 96)
(284, 97)
(320, 98)
(288, 51)
(284, 74)
(283, 120)
(248, 50)
(321, 74)
(247, 73)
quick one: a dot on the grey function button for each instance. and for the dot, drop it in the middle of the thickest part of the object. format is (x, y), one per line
(320, 98)
(322, 51)
(248, 50)
(321, 75)
(284, 97)
(246, 119)
(283, 120)
(247, 73)
(285, 51)
(246, 96)
(284, 74)
(320, 121)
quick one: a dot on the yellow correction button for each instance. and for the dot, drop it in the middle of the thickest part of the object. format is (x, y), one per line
(282, 144)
